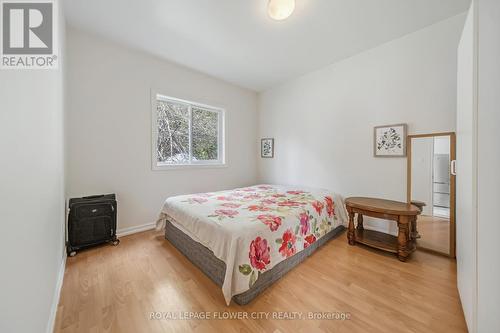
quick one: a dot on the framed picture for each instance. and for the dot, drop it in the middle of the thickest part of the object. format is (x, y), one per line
(389, 141)
(267, 148)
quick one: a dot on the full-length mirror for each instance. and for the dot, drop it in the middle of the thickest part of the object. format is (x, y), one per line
(431, 186)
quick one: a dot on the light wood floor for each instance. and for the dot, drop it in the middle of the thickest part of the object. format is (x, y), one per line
(114, 289)
(434, 232)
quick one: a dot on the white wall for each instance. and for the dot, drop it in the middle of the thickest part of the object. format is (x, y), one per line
(31, 196)
(109, 128)
(488, 153)
(466, 174)
(323, 122)
(422, 167)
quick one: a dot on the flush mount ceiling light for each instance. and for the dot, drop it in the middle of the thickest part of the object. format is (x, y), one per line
(280, 9)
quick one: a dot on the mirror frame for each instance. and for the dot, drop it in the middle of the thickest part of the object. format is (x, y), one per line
(453, 155)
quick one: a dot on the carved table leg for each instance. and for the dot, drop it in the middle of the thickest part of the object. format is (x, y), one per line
(403, 238)
(350, 232)
(414, 232)
(360, 222)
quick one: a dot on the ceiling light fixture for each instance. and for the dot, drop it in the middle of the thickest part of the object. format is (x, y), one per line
(280, 9)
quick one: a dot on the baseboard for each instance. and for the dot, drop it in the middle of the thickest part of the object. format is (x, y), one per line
(136, 229)
(57, 295)
(60, 276)
(381, 229)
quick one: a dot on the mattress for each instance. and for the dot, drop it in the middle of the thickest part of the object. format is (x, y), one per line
(253, 229)
(215, 268)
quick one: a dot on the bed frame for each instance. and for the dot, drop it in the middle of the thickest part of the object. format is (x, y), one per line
(215, 268)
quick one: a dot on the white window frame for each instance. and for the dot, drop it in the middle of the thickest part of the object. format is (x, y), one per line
(221, 142)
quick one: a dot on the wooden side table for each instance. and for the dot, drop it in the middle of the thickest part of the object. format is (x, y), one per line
(400, 212)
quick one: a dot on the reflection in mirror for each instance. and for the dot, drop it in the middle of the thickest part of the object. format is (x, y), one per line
(430, 185)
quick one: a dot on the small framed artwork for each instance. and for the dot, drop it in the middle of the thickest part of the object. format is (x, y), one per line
(267, 148)
(390, 141)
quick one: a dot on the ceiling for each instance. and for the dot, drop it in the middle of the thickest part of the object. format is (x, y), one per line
(236, 41)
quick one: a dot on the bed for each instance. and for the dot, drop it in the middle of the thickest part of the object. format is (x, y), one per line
(247, 238)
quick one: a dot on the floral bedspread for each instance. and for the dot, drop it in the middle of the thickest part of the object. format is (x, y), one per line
(254, 228)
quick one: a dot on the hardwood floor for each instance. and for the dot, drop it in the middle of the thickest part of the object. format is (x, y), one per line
(434, 232)
(115, 289)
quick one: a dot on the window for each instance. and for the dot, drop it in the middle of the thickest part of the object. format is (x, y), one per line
(186, 133)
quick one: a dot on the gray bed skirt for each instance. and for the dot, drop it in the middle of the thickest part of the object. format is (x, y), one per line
(215, 269)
